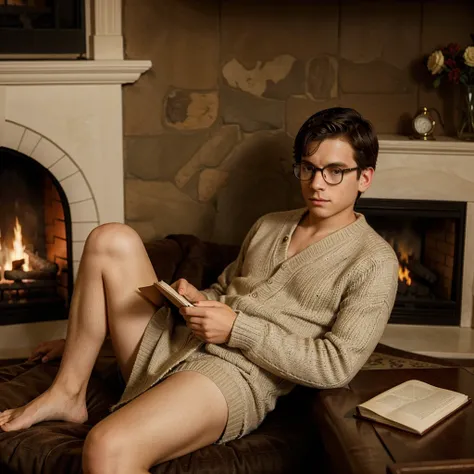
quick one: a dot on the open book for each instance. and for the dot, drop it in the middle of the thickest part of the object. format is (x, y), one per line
(153, 292)
(412, 406)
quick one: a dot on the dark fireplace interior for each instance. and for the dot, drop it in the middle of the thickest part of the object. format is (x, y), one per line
(35, 242)
(428, 238)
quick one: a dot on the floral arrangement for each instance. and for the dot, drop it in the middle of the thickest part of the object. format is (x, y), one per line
(452, 63)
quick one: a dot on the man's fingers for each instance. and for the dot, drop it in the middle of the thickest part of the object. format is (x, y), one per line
(189, 312)
(194, 327)
(209, 304)
(180, 286)
(34, 357)
(36, 354)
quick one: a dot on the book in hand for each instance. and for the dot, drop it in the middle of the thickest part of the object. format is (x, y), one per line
(412, 406)
(153, 292)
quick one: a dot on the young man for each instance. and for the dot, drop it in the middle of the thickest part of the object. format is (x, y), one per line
(305, 302)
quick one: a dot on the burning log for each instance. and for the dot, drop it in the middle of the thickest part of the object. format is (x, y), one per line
(38, 263)
(18, 275)
(402, 287)
(17, 264)
(415, 290)
(422, 272)
(419, 290)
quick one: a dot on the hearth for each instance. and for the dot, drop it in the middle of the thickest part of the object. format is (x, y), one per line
(428, 237)
(35, 242)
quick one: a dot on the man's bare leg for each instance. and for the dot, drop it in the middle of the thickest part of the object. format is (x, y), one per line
(113, 266)
(185, 412)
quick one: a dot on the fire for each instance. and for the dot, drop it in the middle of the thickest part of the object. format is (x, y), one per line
(403, 272)
(18, 251)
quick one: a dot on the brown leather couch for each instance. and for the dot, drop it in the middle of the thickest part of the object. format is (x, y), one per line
(286, 442)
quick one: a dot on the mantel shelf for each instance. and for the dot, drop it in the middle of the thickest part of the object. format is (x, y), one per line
(399, 144)
(71, 72)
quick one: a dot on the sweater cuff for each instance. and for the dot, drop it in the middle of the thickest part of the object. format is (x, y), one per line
(211, 295)
(247, 332)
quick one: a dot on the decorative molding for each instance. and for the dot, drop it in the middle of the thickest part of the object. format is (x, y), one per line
(108, 17)
(106, 40)
(71, 72)
(402, 145)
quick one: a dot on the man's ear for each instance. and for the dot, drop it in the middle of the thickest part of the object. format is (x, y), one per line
(365, 179)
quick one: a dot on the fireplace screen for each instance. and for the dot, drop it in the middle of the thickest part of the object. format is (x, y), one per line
(35, 248)
(428, 238)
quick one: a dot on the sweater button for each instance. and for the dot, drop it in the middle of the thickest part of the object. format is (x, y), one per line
(283, 265)
(285, 239)
(254, 294)
(270, 281)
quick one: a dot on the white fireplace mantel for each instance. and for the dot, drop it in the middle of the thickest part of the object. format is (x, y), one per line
(442, 146)
(107, 71)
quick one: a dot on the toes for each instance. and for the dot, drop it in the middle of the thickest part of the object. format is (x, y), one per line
(5, 416)
(12, 423)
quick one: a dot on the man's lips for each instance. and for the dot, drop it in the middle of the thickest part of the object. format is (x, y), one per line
(315, 199)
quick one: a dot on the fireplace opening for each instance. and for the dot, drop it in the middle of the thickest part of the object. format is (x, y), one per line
(428, 238)
(35, 242)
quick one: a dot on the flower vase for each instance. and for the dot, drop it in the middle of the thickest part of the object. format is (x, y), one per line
(466, 126)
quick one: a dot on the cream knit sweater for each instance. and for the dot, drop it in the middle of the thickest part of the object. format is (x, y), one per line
(312, 319)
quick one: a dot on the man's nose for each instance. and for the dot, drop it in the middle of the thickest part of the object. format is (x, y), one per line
(318, 181)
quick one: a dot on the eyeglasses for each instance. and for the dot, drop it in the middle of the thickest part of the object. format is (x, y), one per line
(332, 174)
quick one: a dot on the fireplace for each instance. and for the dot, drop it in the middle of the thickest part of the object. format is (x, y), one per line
(66, 115)
(428, 238)
(35, 242)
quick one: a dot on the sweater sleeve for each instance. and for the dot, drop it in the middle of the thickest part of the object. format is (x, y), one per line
(233, 269)
(333, 359)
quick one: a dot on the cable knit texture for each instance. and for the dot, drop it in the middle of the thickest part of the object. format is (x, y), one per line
(312, 319)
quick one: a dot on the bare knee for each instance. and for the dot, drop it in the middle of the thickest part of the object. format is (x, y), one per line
(113, 240)
(105, 452)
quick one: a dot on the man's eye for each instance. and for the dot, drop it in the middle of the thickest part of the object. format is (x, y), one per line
(306, 168)
(335, 171)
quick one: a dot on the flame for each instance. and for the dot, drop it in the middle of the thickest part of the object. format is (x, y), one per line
(403, 272)
(18, 252)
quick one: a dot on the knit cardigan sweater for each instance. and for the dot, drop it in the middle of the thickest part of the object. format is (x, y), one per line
(312, 319)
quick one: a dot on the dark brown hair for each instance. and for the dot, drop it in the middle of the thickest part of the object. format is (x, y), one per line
(338, 122)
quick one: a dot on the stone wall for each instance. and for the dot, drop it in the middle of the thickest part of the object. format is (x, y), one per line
(208, 131)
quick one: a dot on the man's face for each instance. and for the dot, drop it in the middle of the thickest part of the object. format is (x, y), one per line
(325, 200)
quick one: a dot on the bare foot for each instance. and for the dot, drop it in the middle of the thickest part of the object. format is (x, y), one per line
(51, 405)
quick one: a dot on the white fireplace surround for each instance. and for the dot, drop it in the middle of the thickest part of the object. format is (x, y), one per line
(67, 115)
(441, 170)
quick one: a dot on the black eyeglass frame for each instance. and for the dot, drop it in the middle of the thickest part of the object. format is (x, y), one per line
(315, 169)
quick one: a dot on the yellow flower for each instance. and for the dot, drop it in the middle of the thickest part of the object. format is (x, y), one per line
(469, 56)
(435, 62)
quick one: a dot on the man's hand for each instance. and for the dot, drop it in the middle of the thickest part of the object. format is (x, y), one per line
(210, 321)
(190, 292)
(48, 350)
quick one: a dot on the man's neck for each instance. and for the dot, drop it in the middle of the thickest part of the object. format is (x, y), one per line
(318, 226)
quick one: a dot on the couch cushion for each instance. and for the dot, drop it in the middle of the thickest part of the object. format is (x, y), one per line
(279, 445)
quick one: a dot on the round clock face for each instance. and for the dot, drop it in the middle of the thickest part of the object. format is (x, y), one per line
(423, 125)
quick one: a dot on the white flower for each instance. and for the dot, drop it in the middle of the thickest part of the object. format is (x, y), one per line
(435, 62)
(469, 56)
